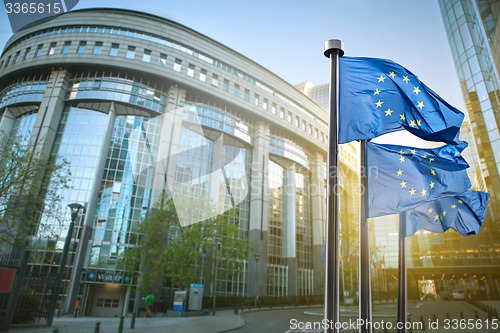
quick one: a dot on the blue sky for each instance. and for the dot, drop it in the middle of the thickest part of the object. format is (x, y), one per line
(287, 36)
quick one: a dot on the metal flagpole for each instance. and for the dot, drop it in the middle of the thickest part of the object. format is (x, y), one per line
(402, 277)
(365, 295)
(333, 50)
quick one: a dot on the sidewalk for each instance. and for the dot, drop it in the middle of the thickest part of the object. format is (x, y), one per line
(224, 320)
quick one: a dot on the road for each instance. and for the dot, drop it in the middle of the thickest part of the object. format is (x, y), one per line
(438, 317)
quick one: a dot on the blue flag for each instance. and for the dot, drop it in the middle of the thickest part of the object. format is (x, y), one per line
(378, 96)
(465, 213)
(401, 178)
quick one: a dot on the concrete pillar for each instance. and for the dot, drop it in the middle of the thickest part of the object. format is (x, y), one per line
(290, 230)
(6, 123)
(318, 208)
(258, 228)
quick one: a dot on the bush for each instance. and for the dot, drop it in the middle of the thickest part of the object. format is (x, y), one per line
(26, 308)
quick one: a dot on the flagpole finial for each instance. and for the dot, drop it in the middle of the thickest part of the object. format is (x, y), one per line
(333, 45)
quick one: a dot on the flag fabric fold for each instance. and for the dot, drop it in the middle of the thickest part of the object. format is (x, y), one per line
(401, 178)
(464, 213)
(379, 96)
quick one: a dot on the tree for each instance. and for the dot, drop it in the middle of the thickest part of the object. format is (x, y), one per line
(30, 185)
(177, 255)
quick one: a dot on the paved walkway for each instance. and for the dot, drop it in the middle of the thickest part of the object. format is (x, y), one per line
(224, 320)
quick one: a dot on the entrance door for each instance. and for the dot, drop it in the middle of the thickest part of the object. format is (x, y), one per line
(108, 300)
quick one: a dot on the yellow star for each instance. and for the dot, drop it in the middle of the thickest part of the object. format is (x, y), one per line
(412, 123)
(454, 206)
(391, 74)
(402, 117)
(403, 184)
(436, 217)
(379, 103)
(402, 159)
(381, 79)
(431, 185)
(431, 159)
(400, 172)
(406, 79)
(433, 172)
(420, 105)
(423, 192)
(430, 210)
(425, 156)
(401, 152)
(388, 112)
(376, 92)
(416, 90)
(419, 123)
(460, 202)
(412, 191)
(444, 213)
(413, 151)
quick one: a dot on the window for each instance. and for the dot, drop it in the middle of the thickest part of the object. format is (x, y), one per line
(256, 99)
(8, 60)
(215, 80)
(130, 52)
(52, 49)
(81, 47)
(16, 56)
(114, 49)
(97, 48)
(146, 57)
(66, 46)
(264, 104)
(163, 60)
(39, 49)
(27, 53)
(236, 91)
(246, 95)
(282, 113)
(203, 75)
(289, 117)
(296, 121)
(303, 127)
(225, 85)
(190, 71)
(273, 108)
(177, 64)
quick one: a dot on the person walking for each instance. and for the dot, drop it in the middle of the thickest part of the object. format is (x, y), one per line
(150, 299)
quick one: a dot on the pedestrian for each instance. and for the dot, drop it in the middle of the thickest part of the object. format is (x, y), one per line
(150, 299)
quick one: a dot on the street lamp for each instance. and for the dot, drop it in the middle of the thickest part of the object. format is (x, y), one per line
(75, 209)
(257, 256)
(215, 277)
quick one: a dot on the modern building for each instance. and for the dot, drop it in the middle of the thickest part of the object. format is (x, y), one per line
(79, 86)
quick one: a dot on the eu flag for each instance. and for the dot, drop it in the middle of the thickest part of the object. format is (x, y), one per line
(401, 178)
(465, 213)
(379, 96)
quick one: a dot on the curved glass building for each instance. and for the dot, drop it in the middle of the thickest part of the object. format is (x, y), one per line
(91, 85)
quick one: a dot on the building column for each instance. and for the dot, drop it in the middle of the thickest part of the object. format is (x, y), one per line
(258, 220)
(50, 111)
(87, 229)
(318, 203)
(6, 123)
(290, 226)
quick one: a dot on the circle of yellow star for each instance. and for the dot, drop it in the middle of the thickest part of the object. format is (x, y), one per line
(400, 172)
(403, 184)
(424, 192)
(379, 103)
(412, 123)
(420, 105)
(431, 185)
(402, 117)
(416, 90)
(388, 112)
(406, 79)
(391, 74)
(376, 92)
(381, 79)
(402, 159)
(412, 191)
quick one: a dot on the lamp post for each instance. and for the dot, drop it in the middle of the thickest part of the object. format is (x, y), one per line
(257, 256)
(215, 277)
(75, 209)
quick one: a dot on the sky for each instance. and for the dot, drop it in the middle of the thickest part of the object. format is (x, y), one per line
(287, 36)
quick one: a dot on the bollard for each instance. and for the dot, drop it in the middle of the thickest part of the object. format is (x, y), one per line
(434, 318)
(447, 315)
(132, 322)
(97, 327)
(55, 330)
(462, 315)
(495, 313)
(476, 315)
(120, 325)
(411, 324)
(385, 329)
(423, 323)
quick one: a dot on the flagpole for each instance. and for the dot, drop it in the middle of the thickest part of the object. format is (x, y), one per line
(402, 277)
(333, 50)
(365, 295)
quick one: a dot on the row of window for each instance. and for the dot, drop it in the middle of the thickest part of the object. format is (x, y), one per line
(237, 90)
